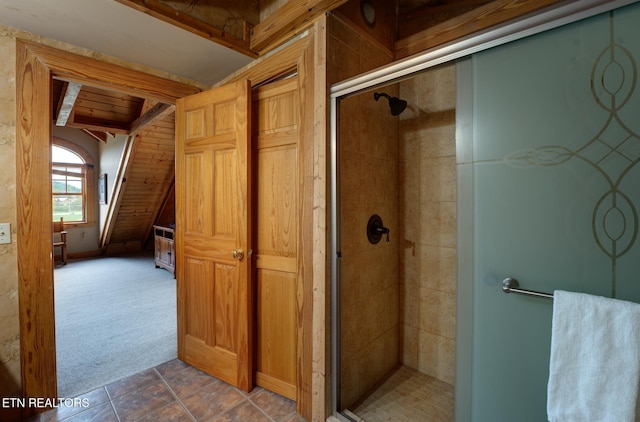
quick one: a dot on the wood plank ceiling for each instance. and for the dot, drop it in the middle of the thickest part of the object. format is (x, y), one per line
(148, 182)
(96, 111)
(145, 181)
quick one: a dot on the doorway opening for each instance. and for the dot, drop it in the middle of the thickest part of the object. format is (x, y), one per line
(37, 65)
(115, 314)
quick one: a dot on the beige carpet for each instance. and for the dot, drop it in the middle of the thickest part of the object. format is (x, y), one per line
(115, 316)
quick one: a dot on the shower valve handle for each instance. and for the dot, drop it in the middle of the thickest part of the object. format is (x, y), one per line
(375, 229)
(383, 230)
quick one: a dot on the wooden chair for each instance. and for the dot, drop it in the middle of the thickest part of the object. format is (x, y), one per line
(60, 234)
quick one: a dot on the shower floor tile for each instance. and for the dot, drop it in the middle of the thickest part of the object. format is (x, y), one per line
(408, 395)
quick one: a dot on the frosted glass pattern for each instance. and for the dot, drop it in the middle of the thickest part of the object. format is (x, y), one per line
(557, 192)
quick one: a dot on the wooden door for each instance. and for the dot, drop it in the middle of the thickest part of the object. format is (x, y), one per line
(212, 232)
(278, 280)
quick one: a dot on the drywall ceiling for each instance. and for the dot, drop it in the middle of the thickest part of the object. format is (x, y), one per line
(108, 27)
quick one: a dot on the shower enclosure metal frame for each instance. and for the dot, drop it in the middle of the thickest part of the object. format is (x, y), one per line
(548, 19)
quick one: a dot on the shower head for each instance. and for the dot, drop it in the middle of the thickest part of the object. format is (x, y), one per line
(396, 105)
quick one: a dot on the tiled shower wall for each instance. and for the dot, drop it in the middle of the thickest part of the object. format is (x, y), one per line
(398, 298)
(370, 288)
(369, 180)
(427, 155)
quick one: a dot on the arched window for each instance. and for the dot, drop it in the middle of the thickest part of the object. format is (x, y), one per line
(72, 183)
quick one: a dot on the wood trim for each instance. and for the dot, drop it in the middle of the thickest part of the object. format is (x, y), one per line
(289, 20)
(35, 66)
(34, 229)
(189, 23)
(428, 9)
(275, 385)
(273, 66)
(300, 57)
(317, 344)
(310, 71)
(73, 67)
(484, 17)
(78, 149)
(118, 191)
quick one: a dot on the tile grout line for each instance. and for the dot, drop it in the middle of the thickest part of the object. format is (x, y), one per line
(250, 400)
(240, 403)
(173, 393)
(115, 412)
(73, 415)
(261, 410)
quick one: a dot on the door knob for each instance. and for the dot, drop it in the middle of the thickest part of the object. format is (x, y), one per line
(237, 253)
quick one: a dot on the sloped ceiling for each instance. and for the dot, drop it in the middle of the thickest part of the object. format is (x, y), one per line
(111, 28)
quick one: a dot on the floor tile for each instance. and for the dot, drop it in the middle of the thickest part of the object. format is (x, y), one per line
(175, 392)
(132, 383)
(407, 394)
(245, 411)
(147, 399)
(100, 413)
(273, 404)
(80, 404)
(208, 403)
(190, 380)
(171, 368)
(294, 417)
(173, 412)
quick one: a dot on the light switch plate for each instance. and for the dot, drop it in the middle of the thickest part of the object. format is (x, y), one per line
(5, 233)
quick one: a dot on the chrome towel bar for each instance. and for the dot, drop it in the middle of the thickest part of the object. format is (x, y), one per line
(510, 285)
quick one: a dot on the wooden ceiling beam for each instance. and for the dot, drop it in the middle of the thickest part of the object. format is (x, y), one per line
(491, 14)
(97, 135)
(156, 112)
(70, 91)
(437, 7)
(83, 122)
(189, 23)
(292, 18)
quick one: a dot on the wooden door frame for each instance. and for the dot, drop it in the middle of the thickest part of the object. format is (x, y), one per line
(303, 57)
(36, 65)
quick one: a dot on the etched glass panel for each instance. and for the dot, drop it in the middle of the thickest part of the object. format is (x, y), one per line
(556, 148)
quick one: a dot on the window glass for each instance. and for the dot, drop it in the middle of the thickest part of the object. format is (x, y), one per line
(68, 177)
(63, 155)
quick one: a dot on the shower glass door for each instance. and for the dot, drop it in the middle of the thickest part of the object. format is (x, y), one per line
(555, 182)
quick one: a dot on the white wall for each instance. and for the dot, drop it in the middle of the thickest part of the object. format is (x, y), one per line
(106, 158)
(84, 238)
(110, 155)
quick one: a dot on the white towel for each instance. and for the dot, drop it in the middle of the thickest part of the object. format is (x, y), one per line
(594, 370)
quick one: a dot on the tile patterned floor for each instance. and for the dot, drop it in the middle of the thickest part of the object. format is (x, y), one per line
(176, 392)
(408, 395)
